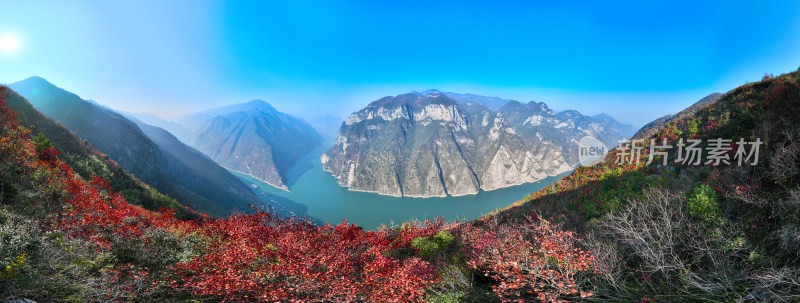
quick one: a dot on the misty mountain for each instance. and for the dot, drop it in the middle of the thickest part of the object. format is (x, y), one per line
(156, 162)
(199, 121)
(493, 103)
(192, 169)
(253, 138)
(327, 126)
(176, 129)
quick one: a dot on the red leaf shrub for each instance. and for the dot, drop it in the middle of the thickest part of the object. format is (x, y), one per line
(530, 259)
(261, 257)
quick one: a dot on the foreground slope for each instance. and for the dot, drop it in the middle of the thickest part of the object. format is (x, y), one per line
(650, 128)
(685, 232)
(124, 142)
(109, 132)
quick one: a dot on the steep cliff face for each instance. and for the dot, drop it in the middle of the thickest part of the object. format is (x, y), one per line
(257, 140)
(536, 122)
(426, 144)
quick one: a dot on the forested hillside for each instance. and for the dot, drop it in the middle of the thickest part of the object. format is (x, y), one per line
(162, 163)
(711, 231)
(87, 161)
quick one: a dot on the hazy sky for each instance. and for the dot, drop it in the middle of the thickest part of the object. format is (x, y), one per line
(636, 61)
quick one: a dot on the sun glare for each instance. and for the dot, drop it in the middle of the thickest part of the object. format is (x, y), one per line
(9, 43)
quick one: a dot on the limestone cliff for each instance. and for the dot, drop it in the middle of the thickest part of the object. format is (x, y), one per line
(427, 144)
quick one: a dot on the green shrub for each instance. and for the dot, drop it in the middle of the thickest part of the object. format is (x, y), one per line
(434, 246)
(450, 297)
(42, 143)
(693, 127)
(703, 204)
(789, 236)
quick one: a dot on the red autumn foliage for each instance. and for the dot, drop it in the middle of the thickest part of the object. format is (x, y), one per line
(530, 259)
(95, 213)
(261, 257)
(49, 155)
(778, 90)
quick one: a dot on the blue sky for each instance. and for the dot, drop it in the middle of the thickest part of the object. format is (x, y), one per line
(636, 61)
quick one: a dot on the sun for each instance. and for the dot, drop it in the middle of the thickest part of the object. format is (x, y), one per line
(9, 43)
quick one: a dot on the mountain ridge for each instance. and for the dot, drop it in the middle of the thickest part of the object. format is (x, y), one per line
(254, 139)
(422, 144)
(126, 143)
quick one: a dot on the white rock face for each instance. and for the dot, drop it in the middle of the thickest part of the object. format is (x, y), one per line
(351, 174)
(534, 120)
(352, 119)
(509, 169)
(494, 132)
(435, 112)
(485, 120)
(342, 141)
(596, 127)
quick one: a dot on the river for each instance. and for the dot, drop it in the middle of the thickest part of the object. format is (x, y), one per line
(316, 194)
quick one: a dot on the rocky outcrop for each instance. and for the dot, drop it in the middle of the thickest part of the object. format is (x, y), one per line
(427, 144)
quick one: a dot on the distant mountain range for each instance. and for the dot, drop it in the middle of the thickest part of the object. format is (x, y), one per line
(183, 134)
(431, 143)
(492, 103)
(252, 138)
(327, 126)
(149, 153)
